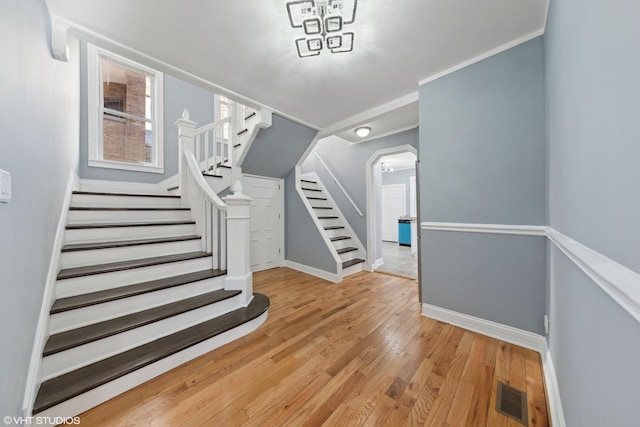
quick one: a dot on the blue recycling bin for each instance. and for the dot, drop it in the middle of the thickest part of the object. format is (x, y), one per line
(404, 232)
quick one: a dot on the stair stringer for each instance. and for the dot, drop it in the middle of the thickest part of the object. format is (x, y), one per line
(97, 395)
(262, 120)
(361, 251)
(101, 394)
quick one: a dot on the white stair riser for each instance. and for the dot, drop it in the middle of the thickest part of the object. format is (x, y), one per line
(352, 270)
(349, 255)
(313, 186)
(309, 193)
(108, 217)
(219, 184)
(101, 394)
(105, 256)
(100, 282)
(336, 233)
(77, 357)
(84, 316)
(91, 200)
(326, 222)
(319, 203)
(119, 234)
(339, 244)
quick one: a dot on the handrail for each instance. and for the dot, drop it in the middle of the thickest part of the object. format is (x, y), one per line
(211, 126)
(339, 185)
(196, 174)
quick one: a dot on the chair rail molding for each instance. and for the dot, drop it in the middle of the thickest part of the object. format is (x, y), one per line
(619, 282)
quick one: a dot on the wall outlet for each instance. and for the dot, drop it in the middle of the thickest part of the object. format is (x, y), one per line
(546, 323)
(5, 186)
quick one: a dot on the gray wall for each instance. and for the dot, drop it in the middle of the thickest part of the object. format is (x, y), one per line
(277, 149)
(402, 176)
(348, 163)
(592, 93)
(303, 243)
(482, 160)
(39, 146)
(178, 95)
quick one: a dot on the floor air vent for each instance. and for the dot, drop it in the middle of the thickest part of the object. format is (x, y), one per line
(512, 403)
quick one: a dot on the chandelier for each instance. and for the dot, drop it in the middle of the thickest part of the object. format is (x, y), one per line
(323, 23)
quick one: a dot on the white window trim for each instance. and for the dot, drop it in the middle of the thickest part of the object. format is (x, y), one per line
(94, 90)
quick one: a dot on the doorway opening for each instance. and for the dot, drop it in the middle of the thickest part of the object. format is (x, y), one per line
(391, 213)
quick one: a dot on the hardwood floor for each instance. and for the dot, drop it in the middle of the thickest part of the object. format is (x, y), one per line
(355, 353)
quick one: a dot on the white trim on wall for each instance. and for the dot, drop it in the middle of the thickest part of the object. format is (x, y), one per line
(35, 365)
(521, 230)
(331, 277)
(618, 281)
(483, 56)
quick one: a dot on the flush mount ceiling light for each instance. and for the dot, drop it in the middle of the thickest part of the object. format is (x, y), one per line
(323, 23)
(363, 131)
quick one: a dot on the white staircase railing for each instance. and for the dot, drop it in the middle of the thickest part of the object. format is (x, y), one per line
(208, 210)
(212, 150)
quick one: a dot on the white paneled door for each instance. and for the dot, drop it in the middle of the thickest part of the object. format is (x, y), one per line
(393, 207)
(265, 228)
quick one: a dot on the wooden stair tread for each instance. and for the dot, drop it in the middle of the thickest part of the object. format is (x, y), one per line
(211, 175)
(175, 187)
(322, 207)
(104, 208)
(310, 182)
(237, 145)
(312, 189)
(337, 238)
(70, 273)
(316, 198)
(86, 334)
(327, 217)
(93, 298)
(96, 193)
(351, 262)
(345, 250)
(242, 131)
(72, 384)
(249, 116)
(122, 244)
(334, 227)
(127, 224)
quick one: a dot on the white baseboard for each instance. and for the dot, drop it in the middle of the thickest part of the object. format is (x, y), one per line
(499, 331)
(332, 277)
(511, 335)
(35, 364)
(122, 186)
(553, 391)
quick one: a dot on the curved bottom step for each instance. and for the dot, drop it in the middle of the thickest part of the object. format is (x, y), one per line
(75, 392)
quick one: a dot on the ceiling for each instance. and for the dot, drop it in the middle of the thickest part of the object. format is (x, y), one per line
(399, 161)
(248, 47)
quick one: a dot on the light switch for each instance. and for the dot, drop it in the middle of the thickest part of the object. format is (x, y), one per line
(5, 186)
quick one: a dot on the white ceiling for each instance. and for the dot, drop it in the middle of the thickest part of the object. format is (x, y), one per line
(400, 161)
(248, 47)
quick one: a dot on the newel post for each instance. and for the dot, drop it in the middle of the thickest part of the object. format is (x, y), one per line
(186, 142)
(239, 274)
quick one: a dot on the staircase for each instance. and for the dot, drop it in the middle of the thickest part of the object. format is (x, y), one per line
(344, 243)
(144, 284)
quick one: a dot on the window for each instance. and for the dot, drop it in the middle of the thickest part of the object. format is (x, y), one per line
(222, 112)
(125, 113)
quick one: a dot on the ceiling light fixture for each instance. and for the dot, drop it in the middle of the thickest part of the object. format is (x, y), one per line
(363, 131)
(323, 24)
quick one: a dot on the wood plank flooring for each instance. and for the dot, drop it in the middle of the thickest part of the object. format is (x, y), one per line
(355, 353)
